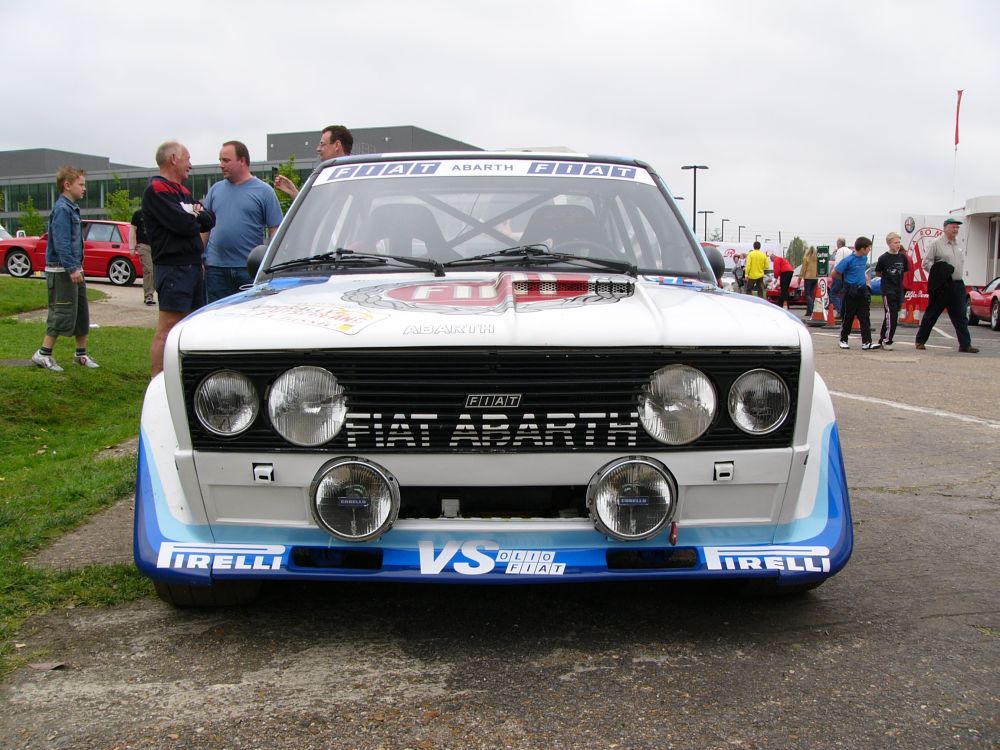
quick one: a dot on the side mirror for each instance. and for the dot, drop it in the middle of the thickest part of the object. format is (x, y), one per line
(254, 259)
(716, 261)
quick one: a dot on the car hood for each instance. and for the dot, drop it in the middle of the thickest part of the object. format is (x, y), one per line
(484, 309)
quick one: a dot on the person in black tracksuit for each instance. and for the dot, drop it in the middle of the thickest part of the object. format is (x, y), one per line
(857, 295)
(891, 267)
(174, 223)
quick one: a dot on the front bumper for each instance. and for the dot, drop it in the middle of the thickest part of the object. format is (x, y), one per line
(175, 543)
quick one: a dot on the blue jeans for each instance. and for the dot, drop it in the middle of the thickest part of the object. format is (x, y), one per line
(809, 290)
(837, 295)
(221, 281)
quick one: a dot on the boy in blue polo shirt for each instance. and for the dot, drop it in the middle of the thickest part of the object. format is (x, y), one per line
(857, 295)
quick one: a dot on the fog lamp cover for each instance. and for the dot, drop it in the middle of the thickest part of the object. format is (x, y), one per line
(354, 499)
(632, 498)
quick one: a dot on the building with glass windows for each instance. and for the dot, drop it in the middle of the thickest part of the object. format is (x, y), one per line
(30, 173)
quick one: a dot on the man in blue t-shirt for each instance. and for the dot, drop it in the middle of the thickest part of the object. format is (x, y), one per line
(246, 214)
(857, 295)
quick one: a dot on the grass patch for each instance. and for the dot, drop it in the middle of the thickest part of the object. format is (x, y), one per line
(21, 295)
(52, 425)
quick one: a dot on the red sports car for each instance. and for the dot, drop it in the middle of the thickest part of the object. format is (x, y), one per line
(984, 304)
(106, 252)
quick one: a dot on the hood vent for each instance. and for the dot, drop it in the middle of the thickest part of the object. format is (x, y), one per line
(561, 287)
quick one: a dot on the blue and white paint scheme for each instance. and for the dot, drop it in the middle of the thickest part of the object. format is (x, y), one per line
(212, 512)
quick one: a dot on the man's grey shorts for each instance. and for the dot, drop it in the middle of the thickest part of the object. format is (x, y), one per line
(69, 314)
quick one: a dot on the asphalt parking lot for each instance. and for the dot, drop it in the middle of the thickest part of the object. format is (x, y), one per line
(900, 650)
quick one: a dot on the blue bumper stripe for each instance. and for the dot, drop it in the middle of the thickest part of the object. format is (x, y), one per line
(805, 550)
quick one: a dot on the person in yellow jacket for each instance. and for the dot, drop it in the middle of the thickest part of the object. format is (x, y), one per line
(757, 265)
(809, 275)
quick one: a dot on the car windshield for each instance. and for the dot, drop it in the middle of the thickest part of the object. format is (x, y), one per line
(451, 210)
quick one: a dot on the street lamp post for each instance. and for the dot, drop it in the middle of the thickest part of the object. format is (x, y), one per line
(722, 232)
(704, 237)
(739, 232)
(694, 196)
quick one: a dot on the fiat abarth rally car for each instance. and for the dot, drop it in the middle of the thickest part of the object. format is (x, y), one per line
(487, 367)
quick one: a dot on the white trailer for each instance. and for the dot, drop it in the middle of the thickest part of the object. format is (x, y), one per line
(979, 235)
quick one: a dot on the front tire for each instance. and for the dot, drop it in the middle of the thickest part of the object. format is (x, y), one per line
(18, 264)
(218, 594)
(973, 320)
(995, 315)
(121, 272)
(768, 588)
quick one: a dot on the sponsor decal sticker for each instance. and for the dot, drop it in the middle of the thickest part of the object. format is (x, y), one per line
(197, 556)
(475, 167)
(527, 292)
(778, 557)
(448, 329)
(473, 558)
(680, 281)
(347, 320)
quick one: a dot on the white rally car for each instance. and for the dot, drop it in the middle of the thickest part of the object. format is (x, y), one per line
(489, 367)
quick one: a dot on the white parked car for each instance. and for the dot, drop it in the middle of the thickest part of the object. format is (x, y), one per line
(487, 367)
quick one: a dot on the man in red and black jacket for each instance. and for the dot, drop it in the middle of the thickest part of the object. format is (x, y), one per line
(783, 271)
(174, 223)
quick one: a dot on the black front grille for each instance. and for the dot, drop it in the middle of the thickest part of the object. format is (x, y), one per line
(415, 400)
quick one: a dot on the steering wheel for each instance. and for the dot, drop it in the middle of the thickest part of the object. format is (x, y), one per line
(587, 245)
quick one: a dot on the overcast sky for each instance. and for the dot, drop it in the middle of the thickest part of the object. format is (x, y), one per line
(817, 119)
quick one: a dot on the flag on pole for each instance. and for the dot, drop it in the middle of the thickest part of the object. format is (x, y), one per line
(958, 108)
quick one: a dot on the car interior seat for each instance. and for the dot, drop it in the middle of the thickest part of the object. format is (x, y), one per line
(563, 224)
(399, 225)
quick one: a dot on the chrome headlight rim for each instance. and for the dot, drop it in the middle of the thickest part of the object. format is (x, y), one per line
(595, 483)
(272, 407)
(386, 476)
(712, 407)
(254, 402)
(734, 394)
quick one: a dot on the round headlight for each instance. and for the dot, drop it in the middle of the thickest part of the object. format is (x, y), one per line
(759, 402)
(632, 498)
(226, 403)
(307, 406)
(677, 405)
(354, 499)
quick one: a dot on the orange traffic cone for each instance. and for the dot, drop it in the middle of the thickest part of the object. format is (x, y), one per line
(910, 314)
(817, 316)
(830, 319)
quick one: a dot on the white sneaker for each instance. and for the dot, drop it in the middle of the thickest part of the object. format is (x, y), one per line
(887, 346)
(86, 361)
(47, 361)
(870, 345)
(844, 345)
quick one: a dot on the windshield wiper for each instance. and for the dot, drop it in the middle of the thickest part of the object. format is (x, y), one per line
(350, 259)
(529, 254)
